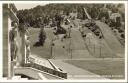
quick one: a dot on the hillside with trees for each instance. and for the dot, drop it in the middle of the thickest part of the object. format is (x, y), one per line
(30, 16)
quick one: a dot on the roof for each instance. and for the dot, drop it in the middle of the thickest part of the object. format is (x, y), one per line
(13, 7)
(12, 12)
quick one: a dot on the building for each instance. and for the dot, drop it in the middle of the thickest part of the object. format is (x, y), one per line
(10, 18)
(14, 44)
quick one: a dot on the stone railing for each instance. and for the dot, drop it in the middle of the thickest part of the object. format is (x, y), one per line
(47, 70)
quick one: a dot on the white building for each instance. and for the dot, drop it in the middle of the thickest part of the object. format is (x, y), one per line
(19, 66)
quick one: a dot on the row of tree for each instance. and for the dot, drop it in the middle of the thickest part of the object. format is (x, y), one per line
(32, 16)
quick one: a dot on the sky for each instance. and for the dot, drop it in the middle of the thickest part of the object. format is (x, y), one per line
(27, 6)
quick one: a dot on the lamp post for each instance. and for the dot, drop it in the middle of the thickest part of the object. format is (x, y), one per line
(70, 50)
(52, 44)
(100, 48)
(94, 47)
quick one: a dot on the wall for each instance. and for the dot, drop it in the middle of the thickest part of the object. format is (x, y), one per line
(5, 40)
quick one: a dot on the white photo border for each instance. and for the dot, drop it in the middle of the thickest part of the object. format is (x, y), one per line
(39, 2)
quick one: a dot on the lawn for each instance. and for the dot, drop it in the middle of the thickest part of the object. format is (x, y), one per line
(73, 46)
(40, 51)
(101, 67)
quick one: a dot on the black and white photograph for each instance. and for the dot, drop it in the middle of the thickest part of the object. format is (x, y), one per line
(64, 41)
